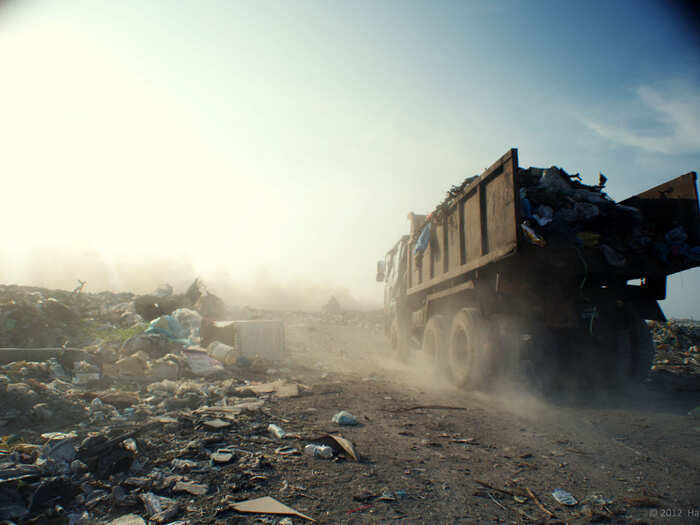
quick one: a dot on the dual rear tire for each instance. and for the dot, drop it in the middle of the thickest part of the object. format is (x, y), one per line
(470, 351)
(461, 350)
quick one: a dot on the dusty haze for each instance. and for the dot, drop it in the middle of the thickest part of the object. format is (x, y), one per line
(277, 150)
(61, 270)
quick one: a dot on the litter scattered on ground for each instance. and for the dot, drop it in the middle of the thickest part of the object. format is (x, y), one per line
(276, 431)
(130, 427)
(195, 489)
(287, 451)
(318, 451)
(339, 445)
(268, 505)
(564, 497)
(280, 388)
(677, 359)
(129, 519)
(133, 392)
(344, 418)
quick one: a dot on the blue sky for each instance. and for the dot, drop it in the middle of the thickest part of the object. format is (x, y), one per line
(286, 141)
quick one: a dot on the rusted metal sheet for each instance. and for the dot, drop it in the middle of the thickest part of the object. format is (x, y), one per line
(500, 202)
(478, 229)
(671, 204)
(454, 254)
(667, 206)
(437, 247)
(472, 226)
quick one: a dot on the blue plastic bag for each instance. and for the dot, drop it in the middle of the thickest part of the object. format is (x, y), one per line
(423, 239)
(168, 326)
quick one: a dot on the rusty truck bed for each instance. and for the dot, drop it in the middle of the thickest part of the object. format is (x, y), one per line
(481, 226)
(478, 228)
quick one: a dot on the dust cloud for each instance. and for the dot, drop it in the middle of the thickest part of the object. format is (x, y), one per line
(62, 269)
(360, 349)
(357, 349)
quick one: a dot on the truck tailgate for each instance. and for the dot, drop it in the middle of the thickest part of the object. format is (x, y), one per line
(671, 205)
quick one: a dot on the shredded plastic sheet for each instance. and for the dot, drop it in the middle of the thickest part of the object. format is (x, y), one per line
(423, 239)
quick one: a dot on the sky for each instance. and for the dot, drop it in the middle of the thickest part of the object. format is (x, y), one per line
(284, 143)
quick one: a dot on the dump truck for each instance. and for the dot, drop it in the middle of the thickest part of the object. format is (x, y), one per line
(530, 271)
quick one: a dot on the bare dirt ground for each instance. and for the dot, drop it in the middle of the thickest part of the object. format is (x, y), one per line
(625, 456)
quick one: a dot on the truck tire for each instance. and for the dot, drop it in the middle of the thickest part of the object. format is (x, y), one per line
(398, 340)
(643, 349)
(509, 352)
(394, 336)
(435, 339)
(469, 349)
(515, 355)
(627, 355)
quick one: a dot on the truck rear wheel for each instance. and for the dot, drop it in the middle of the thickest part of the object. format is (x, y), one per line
(508, 332)
(469, 349)
(624, 352)
(641, 348)
(435, 338)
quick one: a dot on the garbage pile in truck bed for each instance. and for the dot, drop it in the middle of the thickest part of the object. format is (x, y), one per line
(677, 359)
(556, 206)
(140, 422)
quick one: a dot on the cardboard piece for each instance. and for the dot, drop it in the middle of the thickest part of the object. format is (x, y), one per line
(221, 412)
(281, 388)
(267, 505)
(216, 424)
(201, 364)
(196, 489)
(339, 445)
(129, 519)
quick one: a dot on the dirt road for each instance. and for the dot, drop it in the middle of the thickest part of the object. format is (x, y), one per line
(626, 457)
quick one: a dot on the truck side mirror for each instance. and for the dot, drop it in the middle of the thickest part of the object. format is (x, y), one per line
(381, 270)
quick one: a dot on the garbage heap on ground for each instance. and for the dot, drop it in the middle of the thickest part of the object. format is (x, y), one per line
(52, 341)
(143, 421)
(148, 452)
(677, 359)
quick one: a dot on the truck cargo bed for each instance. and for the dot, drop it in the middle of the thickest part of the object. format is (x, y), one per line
(482, 224)
(477, 228)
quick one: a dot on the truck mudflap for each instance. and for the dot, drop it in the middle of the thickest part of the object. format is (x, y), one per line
(650, 310)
